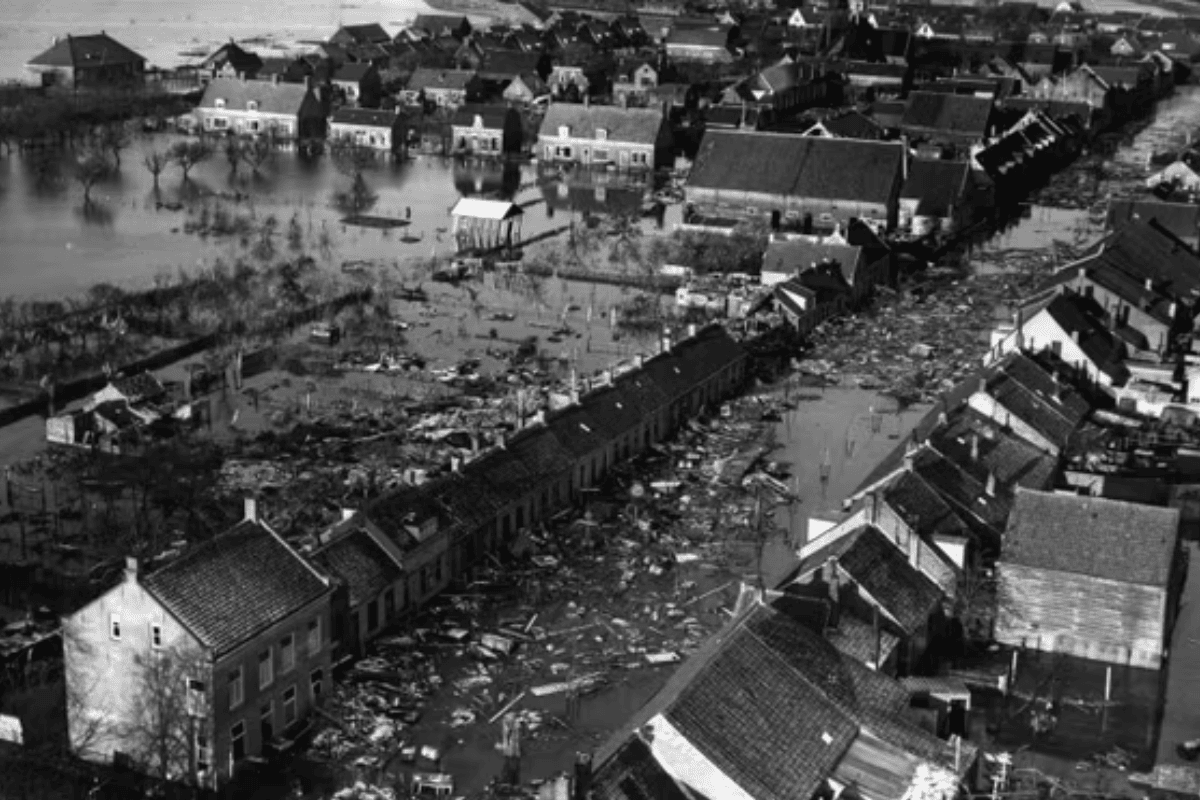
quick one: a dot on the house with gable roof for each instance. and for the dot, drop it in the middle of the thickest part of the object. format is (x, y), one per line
(767, 709)
(945, 119)
(1090, 577)
(935, 196)
(486, 129)
(812, 183)
(236, 628)
(590, 135)
(242, 107)
(92, 61)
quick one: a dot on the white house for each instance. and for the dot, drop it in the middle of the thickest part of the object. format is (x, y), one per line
(286, 110)
(1067, 327)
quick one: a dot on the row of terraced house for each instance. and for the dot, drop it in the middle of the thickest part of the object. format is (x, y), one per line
(244, 629)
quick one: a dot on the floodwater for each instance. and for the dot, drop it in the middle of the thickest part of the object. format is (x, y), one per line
(171, 32)
(832, 441)
(54, 245)
(1174, 118)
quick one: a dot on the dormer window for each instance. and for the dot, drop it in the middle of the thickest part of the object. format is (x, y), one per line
(252, 105)
(564, 131)
(601, 134)
(219, 102)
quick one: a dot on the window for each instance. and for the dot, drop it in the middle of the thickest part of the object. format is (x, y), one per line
(437, 571)
(266, 668)
(289, 706)
(203, 753)
(220, 123)
(254, 125)
(314, 636)
(266, 717)
(195, 697)
(372, 616)
(389, 605)
(287, 653)
(236, 689)
(599, 155)
(316, 683)
(114, 626)
(564, 131)
(252, 105)
(237, 741)
(549, 151)
(155, 635)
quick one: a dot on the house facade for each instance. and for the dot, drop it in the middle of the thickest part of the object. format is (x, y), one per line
(186, 672)
(241, 107)
(1090, 577)
(629, 138)
(488, 130)
(91, 61)
(445, 88)
(381, 130)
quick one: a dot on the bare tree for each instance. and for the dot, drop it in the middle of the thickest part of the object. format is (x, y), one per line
(359, 198)
(156, 161)
(233, 153)
(166, 712)
(112, 139)
(92, 167)
(189, 154)
(350, 157)
(258, 151)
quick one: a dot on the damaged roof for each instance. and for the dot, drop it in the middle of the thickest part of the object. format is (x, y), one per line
(772, 706)
(358, 562)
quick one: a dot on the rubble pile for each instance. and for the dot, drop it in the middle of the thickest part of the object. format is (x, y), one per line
(919, 344)
(636, 580)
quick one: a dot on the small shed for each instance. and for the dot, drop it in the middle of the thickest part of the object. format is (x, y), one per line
(481, 224)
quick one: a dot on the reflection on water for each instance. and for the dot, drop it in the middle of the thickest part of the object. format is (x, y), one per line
(53, 246)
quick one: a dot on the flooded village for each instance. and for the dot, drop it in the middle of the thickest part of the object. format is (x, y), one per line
(605, 400)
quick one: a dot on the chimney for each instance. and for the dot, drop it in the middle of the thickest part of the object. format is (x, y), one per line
(974, 447)
(347, 514)
(833, 580)
(691, 330)
(983, 385)
(1149, 284)
(640, 358)
(1075, 336)
(131, 569)
(455, 464)
(871, 506)
(1171, 311)
(990, 487)
(582, 788)
(666, 340)
(251, 509)
(474, 444)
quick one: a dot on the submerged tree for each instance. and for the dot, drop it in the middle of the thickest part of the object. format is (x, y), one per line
(189, 154)
(352, 158)
(112, 139)
(92, 167)
(358, 199)
(257, 152)
(156, 161)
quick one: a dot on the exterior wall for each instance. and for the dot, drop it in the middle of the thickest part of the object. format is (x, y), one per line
(1103, 620)
(471, 139)
(247, 657)
(633, 155)
(1042, 332)
(104, 676)
(371, 135)
(696, 52)
(825, 213)
(241, 121)
(1157, 333)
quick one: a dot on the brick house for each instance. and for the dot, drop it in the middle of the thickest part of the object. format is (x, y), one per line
(486, 129)
(91, 61)
(810, 182)
(632, 138)
(223, 650)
